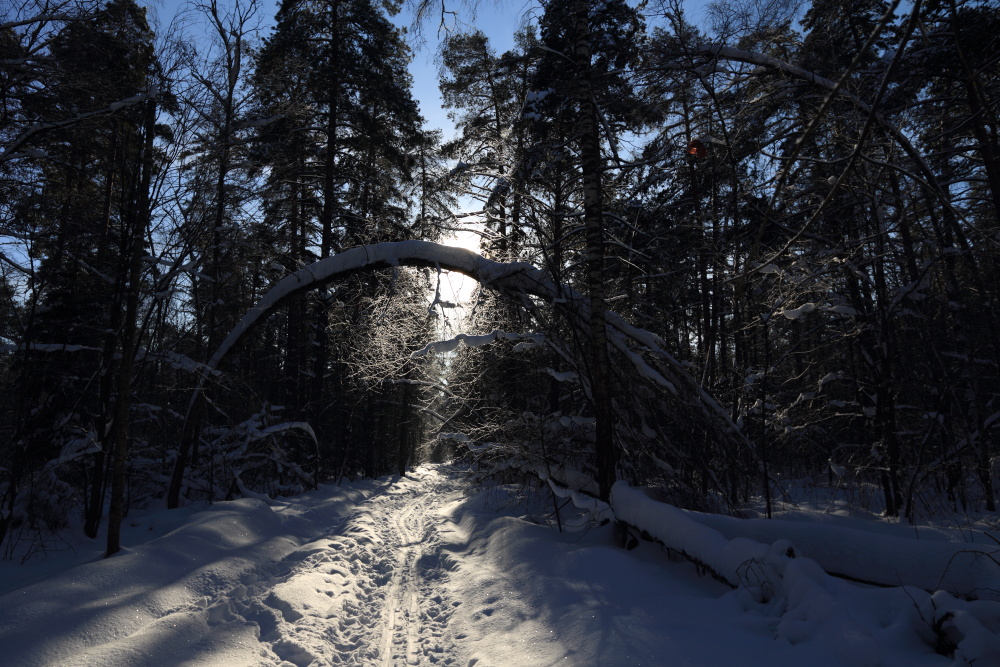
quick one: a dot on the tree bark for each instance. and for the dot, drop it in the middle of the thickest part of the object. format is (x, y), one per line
(128, 336)
(593, 213)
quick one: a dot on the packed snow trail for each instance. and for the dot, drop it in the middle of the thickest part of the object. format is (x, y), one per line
(338, 577)
(368, 594)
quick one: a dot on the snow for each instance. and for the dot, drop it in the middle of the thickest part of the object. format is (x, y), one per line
(472, 340)
(415, 570)
(290, 426)
(635, 344)
(182, 591)
(538, 95)
(796, 313)
(830, 377)
(720, 52)
(515, 276)
(714, 67)
(49, 347)
(565, 376)
(78, 447)
(837, 470)
(807, 606)
(966, 569)
(445, 346)
(457, 437)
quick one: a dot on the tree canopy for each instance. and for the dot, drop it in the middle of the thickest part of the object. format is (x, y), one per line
(714, 258)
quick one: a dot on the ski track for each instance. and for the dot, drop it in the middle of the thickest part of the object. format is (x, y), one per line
(372, 592)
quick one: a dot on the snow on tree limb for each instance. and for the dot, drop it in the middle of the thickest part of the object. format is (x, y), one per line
(49, 347)
(11, 152)
(289, 426)
(511, 278)
(471, 340)
(514, 277)
(568, 376)
(44, 18)
(644, 369)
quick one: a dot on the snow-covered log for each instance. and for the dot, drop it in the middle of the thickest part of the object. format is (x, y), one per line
(723, 544)
(774, 577)
(966, 570)
(679, 532)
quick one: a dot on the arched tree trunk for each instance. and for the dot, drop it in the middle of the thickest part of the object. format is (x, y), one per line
(516, 278)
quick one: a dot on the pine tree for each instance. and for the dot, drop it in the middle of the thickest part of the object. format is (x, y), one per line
(90, 212)
(488, 94)
(589, 49)
(337, 135)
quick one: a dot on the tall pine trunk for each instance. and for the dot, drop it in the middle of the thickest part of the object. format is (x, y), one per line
(593, 213)
(119, 430)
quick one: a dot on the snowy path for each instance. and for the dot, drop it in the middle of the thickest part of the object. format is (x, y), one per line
(368, 594)
(412, 571)
(351, 576)
(411, 630)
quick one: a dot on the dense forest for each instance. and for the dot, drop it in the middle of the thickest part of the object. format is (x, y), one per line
(764, 252)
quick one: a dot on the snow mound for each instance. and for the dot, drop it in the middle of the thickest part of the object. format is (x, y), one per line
(170, 600)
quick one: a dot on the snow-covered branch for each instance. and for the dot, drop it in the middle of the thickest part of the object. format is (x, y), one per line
(516, 278)
(450, 345)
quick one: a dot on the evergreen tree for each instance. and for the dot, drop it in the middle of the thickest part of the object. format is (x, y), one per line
(488, 93)
(91, 214)
(336, 146)
(589, 49)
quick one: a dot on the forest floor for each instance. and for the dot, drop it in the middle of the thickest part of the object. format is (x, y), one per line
(403, 571)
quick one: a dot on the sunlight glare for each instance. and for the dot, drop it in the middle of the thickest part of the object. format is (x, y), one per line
(456, 287)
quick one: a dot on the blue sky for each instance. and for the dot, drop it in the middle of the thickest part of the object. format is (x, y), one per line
(499, 20)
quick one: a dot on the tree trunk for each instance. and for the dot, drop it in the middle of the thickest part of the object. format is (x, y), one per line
(593, 212)
(119, 430)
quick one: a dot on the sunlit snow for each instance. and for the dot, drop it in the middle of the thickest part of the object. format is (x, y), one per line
(420, 571)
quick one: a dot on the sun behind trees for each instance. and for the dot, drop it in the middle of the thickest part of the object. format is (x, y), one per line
(789, 216)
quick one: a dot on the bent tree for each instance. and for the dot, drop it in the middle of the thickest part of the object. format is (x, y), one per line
(644, 353)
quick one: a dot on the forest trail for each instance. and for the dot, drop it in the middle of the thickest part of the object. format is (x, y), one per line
(358, 574)
(371, 592)
(424, 570)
